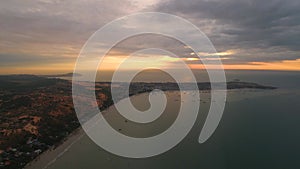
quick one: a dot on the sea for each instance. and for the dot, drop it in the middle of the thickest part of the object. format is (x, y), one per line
(260, 129)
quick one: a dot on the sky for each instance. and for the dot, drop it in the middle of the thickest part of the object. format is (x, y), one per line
(46, 36)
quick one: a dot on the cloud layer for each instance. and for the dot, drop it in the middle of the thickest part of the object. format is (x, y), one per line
(260, 30)
(33, 32)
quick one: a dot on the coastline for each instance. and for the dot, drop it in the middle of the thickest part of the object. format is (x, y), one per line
(45, 159)
(48, 157)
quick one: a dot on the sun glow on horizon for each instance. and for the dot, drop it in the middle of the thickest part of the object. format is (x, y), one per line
(225, 53)
(111, 63)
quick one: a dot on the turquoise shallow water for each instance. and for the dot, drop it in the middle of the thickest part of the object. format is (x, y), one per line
(259, 130)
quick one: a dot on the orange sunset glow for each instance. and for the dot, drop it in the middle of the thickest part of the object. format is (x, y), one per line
(113, 62)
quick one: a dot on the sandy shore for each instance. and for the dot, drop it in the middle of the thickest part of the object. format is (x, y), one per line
(48, 157)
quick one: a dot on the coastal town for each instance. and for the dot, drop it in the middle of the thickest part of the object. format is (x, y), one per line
(36, 115)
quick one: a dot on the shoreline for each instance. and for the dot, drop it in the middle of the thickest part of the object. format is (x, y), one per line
(45, 159)
(48, 157)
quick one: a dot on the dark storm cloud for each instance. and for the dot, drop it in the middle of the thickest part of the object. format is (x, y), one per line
(245, 24)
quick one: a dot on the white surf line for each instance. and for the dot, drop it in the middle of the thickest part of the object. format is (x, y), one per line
(63, 152)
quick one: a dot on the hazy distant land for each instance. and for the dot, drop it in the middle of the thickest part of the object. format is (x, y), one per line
(37, 112)
(62, 75)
